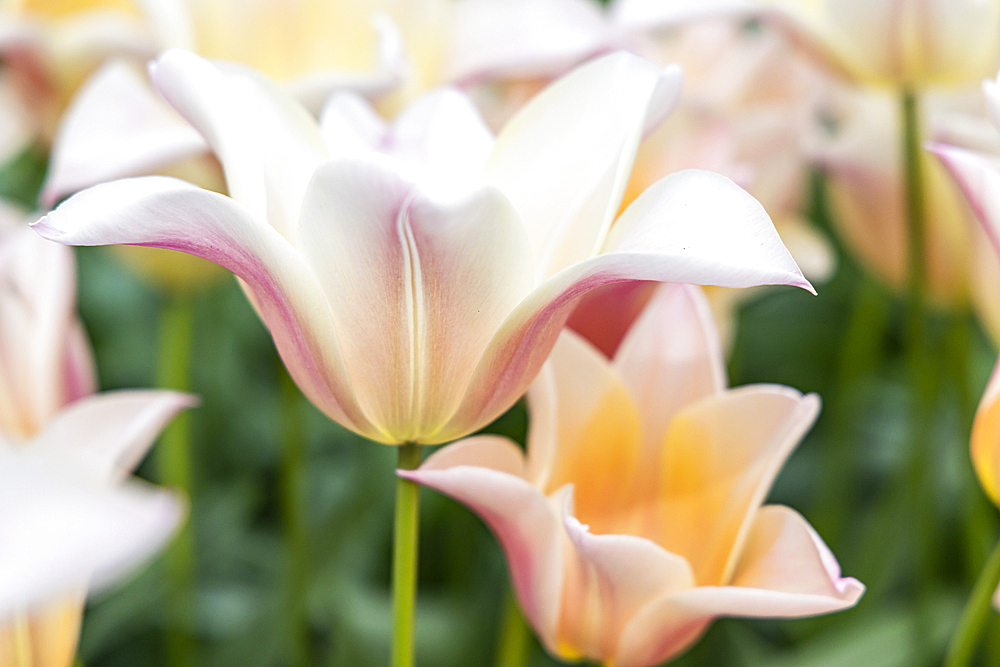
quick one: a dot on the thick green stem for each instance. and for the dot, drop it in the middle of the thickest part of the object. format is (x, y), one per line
(977, 609)
(515, 637)
(173, 463)
(404, 559)
(293, 509)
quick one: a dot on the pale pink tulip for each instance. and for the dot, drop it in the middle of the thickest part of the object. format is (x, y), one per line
(636, 516)
(417, 304)
(45, 358)
(69, 522)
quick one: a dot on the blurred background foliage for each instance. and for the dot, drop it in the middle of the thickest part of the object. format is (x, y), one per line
(915, 527)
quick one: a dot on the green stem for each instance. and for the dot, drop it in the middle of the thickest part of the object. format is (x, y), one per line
(173, 463)
(970, 626)
(916, 234)
(293, 509)
(515, 637)
(404, 559)
(921, 369)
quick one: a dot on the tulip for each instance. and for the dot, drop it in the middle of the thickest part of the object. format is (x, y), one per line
(978, 175)
(865, 187)
(414, 297)
(636, 516)
(45, 358)
(70, 522)
(912, 43)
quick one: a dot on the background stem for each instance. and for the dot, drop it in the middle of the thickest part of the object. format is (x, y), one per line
(293, 510)
(970, 626)
(173, 464)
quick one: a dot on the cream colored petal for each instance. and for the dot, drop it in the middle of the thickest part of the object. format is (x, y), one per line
(670, 358)
(269, 146)
(284, 290)
(417, 288)
(720, 457)
(116, 126)
(528, 527)
(565, 158)
(691, 227)
(786, 571)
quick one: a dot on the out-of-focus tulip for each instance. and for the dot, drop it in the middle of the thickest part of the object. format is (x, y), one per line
(860, 156)
(915, 43)
(414, 293)
(636, 516)
(978, 174)
(69, 521)
(45, 358)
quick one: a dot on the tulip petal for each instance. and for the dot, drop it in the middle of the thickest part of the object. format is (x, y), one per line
(484, 451)
(527, 525)
(598, 444)
(417, 288)
(670, 358)
(564, 160)
(269, 146)
(315, 88)
(604, 315)
(207, 224)
(653, 14)
(985, 440)
(116, 126)
(691, 227)
(350, 126)
(37, 320)
(979, 177)
(110, 433)
(786, 572)
(59, 530)
(720, 457)
(609, 579)
(524, 38)
(444, 134)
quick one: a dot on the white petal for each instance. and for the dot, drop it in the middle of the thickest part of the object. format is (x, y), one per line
(109, 433)
(564, 160)
(168, 213)
(417, 288)
(59, 531)
(269, 146)
(116, 126)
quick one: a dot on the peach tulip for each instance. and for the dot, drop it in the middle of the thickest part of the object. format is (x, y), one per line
(414, 293)
(635, 518)
(70, 522)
